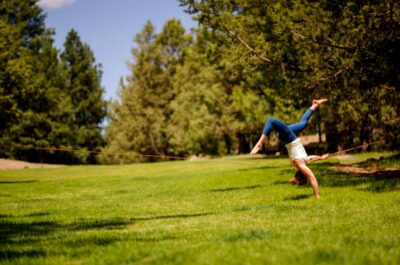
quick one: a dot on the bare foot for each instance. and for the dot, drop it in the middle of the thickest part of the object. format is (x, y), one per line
(256, 149)
(319, 101)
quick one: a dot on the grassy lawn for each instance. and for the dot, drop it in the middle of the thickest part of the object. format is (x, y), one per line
(225, 211)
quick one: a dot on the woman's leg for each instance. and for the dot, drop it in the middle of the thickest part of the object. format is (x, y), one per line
(284, 132)
(298, 127)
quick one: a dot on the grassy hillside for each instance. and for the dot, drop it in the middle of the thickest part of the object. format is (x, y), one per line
(227, 211)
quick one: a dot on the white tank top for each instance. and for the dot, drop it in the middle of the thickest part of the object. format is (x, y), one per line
(296, 150)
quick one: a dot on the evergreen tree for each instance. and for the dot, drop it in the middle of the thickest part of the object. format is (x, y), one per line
(200, 120)
(26, 96)
(26, 18)
(220, 109)
(345, 50)
(83, 92)
(140, 119)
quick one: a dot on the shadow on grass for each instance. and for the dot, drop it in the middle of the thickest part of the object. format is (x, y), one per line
(18, 182)
(383, 181)
(299, 197)
(171, 216)
(37, 214)
(105, 240)
(121, 223)
(281, 182)
(17, 233)
(13, 254)
(27, 215)
(251, 235)
(10, 229)
(378, 181)
(237, 188)
(275, 207)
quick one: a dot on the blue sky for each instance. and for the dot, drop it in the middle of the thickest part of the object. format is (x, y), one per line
(108, 27)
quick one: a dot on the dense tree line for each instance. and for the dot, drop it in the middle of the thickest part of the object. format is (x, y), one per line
(207, 91)
(48, 98)
(347, 51)
(184, 97)
(210, 91)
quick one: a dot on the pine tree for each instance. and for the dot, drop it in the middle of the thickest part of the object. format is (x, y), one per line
(83, 92)
(26, 98)
(140, 119)
(200, 108)
(345, 50)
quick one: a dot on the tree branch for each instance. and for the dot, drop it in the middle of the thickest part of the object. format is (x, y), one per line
(341, 70)
(334, 75)
(253, 52)
(315, 27)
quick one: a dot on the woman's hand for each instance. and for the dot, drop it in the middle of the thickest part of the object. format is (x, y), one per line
(324, 156)
(256, 148)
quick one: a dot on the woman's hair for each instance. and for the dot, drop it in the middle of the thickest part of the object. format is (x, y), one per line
(299, 179)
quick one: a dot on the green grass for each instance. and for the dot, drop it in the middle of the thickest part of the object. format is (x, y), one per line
(225, 211)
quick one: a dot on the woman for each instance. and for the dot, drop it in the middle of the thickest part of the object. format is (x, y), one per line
(287, 134)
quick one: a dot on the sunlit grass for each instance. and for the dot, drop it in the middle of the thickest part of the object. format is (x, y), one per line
(236, 210)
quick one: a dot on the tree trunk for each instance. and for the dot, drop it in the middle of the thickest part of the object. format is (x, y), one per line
(365, 133)
(153, 144)
(332, 137)
(318, 118)
(42, 156)
(228, 143)
(242, 145)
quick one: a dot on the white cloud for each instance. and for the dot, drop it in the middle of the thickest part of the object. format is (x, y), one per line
(54, 3)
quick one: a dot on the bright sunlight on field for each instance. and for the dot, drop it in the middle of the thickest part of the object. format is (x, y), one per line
(225, 211)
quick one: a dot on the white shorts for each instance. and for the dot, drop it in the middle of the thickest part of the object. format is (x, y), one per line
(296, 150)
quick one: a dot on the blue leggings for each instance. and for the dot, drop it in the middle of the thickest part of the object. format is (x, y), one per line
(287, 133)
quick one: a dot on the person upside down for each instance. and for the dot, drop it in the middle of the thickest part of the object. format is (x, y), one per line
(287, 134)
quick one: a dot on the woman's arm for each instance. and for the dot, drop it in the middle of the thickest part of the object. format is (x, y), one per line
(316, 158)
(301, 165)
(310, 175)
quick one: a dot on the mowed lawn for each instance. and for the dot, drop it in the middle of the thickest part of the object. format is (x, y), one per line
(226, 211)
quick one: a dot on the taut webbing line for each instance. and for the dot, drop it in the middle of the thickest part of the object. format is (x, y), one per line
(357, 147)
(158, 156)
(95, 152)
